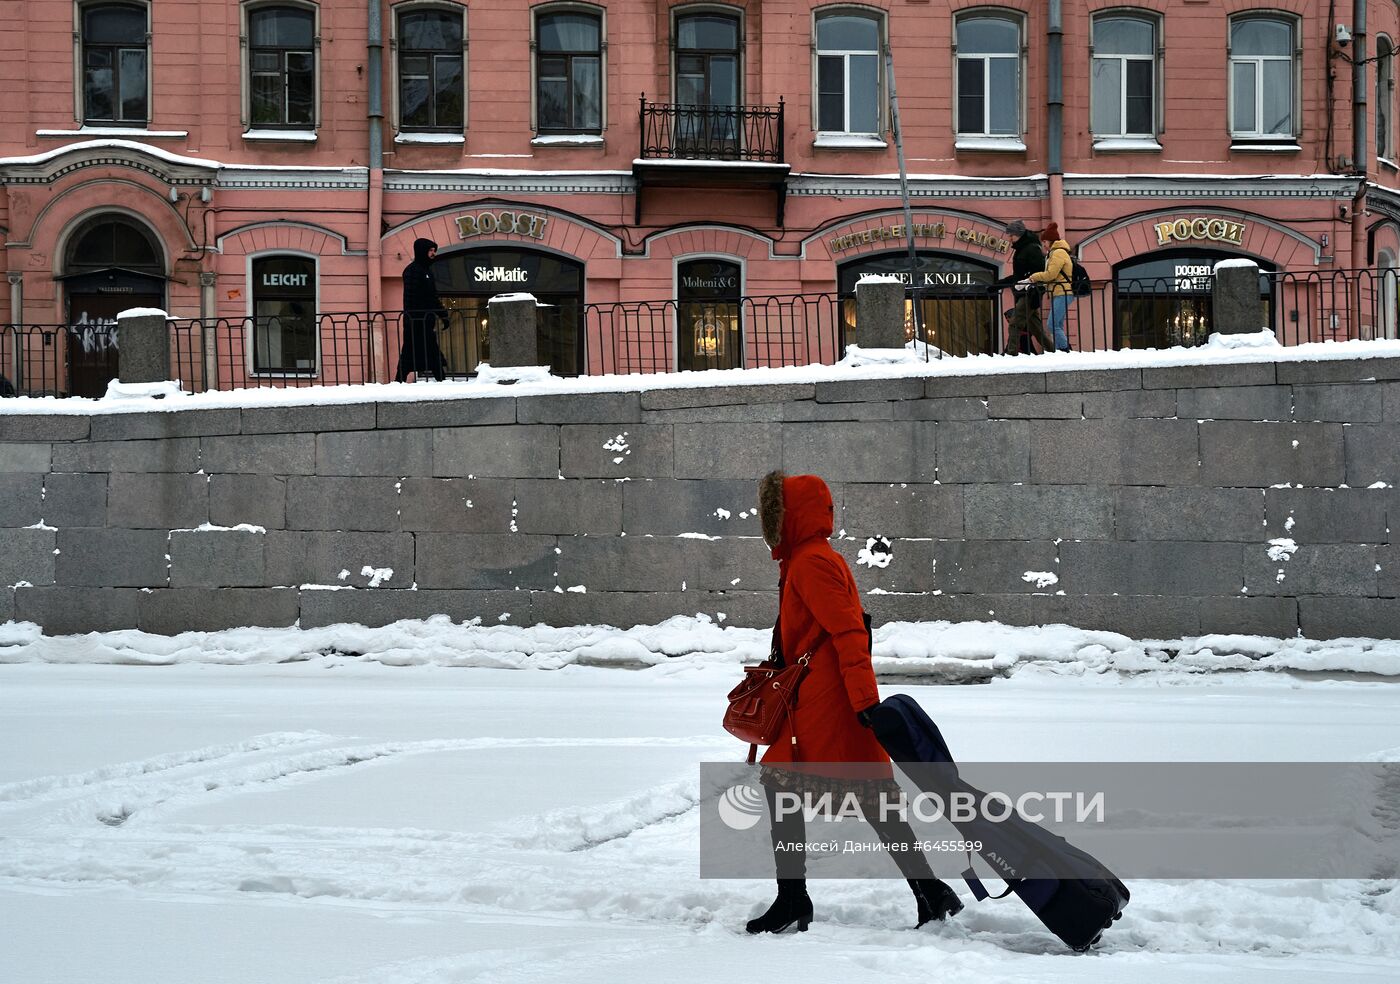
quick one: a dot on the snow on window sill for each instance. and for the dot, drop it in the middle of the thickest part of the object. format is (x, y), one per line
(1387, 162)
(1110, 144)
(567, 140)
(115, 131)
(294, 136)
(430, 138)
(1266, 148)
(995, 144)
(849, 141)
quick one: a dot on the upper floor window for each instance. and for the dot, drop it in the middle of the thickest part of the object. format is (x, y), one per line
(282, 67)
(1262, 78)
(569, 71)
(1385, 92)
(989, 75)
(1124, 79)
(432, 93)
(848, 73)
(115, 59)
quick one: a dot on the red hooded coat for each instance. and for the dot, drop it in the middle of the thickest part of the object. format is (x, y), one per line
(819, 606)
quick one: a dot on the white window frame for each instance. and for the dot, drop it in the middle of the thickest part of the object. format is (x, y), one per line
(1153, 57)
(245, 12)
(79, 113)
(1018, 19)
(252, 316)
(575, 139)
(417, 6)
(1258, 61)
(868, 13)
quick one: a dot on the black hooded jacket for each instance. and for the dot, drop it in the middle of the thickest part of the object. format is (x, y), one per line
(419, 289)
(1027, 258)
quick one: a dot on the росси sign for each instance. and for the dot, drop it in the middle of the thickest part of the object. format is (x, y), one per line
(1211, 230)
(505, 223)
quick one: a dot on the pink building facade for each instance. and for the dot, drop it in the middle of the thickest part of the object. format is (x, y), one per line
(218, 160)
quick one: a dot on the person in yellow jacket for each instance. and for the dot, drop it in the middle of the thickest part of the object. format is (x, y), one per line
(1059, 268)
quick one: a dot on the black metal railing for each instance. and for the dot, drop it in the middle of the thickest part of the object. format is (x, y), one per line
(322, 350)
(33, 360)
(671, 131)
(627, 337)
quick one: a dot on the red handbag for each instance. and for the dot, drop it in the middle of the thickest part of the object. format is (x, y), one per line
(765, 699)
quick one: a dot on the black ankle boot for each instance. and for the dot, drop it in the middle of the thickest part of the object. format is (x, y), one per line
(793, 905)
(936, 900)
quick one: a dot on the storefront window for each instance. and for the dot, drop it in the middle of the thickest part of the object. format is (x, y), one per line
(956, 310)
(284, 314)
(1166, 300)
(468, 279)
(708, 328)
(282, 67)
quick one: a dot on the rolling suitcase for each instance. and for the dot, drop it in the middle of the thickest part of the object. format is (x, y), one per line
(1076, 909)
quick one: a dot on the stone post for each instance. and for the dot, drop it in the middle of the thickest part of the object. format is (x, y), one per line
(512, 331)
(1235, 298)
(143, 346)
(880, 313)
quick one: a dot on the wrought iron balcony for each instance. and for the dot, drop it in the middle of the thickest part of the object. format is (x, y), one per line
(712, 133)
(684, 146)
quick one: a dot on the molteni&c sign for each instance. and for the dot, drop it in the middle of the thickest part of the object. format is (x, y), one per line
(1209, 230)
(504, 223)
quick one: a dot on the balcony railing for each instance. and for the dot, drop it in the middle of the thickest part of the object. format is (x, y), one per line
(712, 133)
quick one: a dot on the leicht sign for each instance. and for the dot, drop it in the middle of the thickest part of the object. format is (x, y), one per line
(503, 223)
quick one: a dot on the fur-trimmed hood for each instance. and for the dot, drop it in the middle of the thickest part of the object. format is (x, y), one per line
(793, 509)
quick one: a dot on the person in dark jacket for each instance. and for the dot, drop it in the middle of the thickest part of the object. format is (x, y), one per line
(421, 311)
(1026, 259)
(819, 614)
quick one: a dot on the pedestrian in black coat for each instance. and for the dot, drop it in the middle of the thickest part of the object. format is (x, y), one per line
(421, 311)
(1027, 258)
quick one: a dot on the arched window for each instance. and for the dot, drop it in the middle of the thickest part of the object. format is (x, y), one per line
(282, 67)
(568, 71)
(113, 242)
(848, 95)
(1263, 76)
(431, 60)
(989, 75)
(708, 301)
(115, 62)
(1389, 303)
(1125, 76)
(1385, 93)
(284, 314)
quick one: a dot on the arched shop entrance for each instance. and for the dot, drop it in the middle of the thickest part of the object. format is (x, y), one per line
(467, 279)
(957, 307)
(111, 263)
(1164, 299)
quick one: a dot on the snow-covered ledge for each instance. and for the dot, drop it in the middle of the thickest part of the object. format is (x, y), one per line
(293, 136)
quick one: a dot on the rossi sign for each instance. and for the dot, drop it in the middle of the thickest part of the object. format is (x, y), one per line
(502, 223)
(1210, 230)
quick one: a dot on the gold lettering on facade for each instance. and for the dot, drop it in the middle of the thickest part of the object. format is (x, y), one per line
(506, 223)
(1210, 230)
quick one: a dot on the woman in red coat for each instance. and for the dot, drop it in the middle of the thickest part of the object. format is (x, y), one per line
(820, 613)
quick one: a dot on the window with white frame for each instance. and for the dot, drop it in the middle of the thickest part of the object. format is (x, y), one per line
(115, 60)
(431, 62)
(1263, 73)
(282, 67)
(1125, 76)
(848, 72)
(1385, 90)
(989, 74)
(568, 71)
(284, 313)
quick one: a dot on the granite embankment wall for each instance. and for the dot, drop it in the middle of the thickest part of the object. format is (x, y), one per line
(1150, 494)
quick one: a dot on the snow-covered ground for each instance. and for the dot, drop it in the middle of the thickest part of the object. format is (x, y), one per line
(338, 819)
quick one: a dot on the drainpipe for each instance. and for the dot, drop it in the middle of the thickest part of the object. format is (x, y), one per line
(373, 237)
(1055, 81)
(1359, 137)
